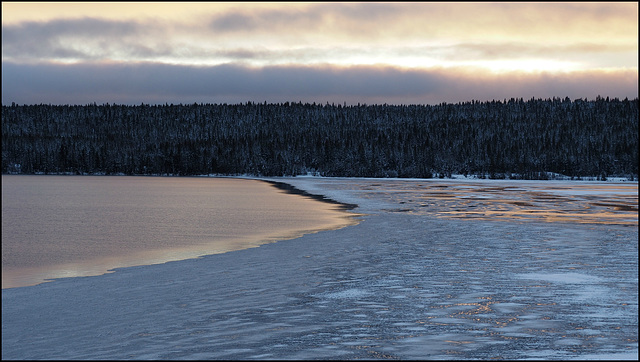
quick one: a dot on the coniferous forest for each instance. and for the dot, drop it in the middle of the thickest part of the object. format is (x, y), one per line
(511, 138)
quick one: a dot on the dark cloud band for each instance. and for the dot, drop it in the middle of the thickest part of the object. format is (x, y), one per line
(159, 83)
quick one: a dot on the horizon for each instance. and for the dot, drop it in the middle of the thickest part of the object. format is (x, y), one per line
(343, 104)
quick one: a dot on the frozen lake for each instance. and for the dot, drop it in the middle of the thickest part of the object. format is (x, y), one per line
(436, 269)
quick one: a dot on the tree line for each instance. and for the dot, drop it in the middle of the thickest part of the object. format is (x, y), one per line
(510, 138)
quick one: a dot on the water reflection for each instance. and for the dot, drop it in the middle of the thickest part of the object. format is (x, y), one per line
(549, 201)
(68, 226)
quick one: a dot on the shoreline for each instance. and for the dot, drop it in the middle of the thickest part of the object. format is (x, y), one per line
(459, 177)
(290, 189)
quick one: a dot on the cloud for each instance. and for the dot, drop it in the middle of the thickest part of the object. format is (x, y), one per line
(265, 19)
(94, 39)
(159, 83)
(518, 50)
(333, 32)
(416, 21)
(306, 19)
(85, 38)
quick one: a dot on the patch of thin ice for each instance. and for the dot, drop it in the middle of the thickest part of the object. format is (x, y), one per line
(349, 293)
(624, 356)
(566, 278)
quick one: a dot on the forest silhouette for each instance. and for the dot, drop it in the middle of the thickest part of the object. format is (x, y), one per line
(513, 138)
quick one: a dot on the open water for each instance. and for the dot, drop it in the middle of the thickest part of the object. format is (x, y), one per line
(68, 226)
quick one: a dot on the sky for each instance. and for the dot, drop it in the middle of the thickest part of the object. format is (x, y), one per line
(331, 52)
